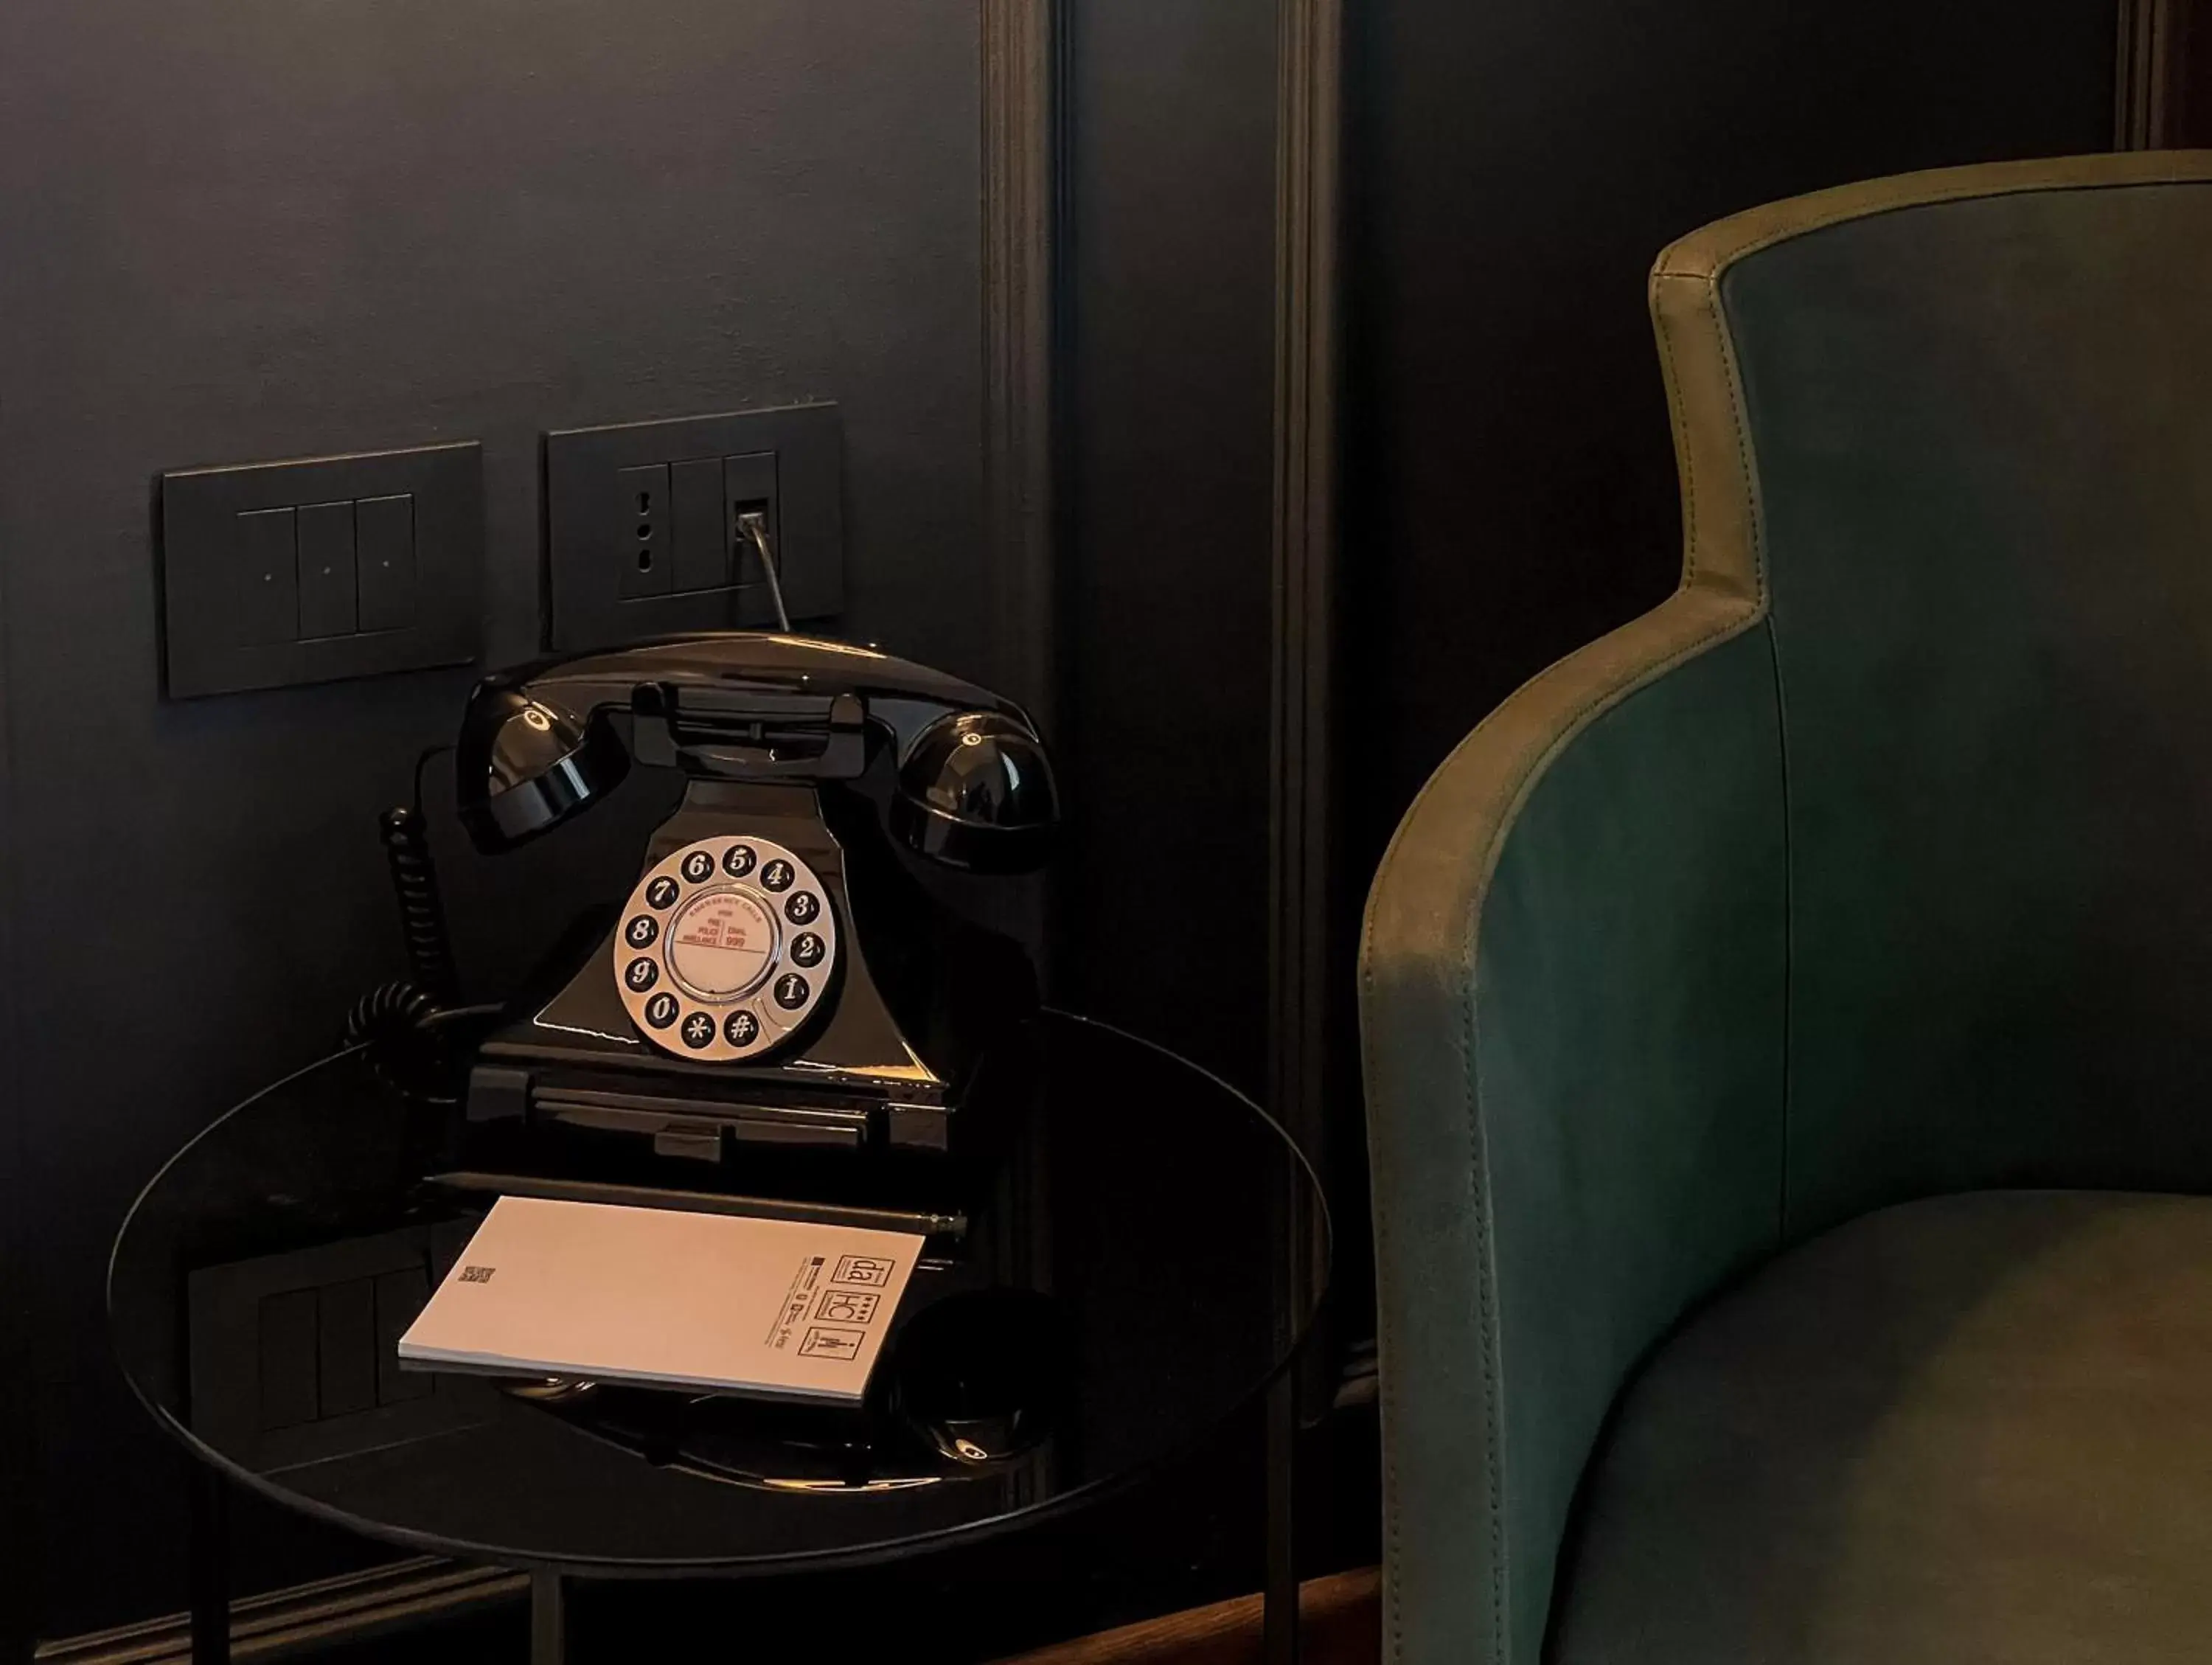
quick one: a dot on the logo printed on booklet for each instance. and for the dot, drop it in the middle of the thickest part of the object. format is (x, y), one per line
(847, 1306)
(867, 1270)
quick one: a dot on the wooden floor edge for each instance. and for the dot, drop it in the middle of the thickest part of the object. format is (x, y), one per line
(1340, 1617)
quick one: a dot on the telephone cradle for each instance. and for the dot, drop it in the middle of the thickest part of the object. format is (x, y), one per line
(778, 989)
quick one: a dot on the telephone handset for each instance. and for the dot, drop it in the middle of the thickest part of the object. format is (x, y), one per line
(775, 974)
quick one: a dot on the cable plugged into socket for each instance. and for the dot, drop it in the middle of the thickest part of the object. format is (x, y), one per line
(752, 528)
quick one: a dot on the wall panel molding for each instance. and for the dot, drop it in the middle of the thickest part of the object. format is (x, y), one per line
(2140, 94)
(2162, 91)
(1022, 150)
(1308, 216)
(1305, 1026)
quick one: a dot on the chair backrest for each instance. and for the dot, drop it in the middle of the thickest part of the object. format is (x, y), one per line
(1980, 435)
(1877, 861)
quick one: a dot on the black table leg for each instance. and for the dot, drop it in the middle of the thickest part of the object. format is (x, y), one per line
(207, 1554)
(1280, 1603)
(548, 1618)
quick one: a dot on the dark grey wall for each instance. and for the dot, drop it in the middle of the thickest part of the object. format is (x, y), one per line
(233, 229)
(1170, 283)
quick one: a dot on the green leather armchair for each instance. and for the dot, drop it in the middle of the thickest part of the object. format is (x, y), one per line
(1787, 1022)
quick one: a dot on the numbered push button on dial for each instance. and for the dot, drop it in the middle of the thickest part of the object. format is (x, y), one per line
(741, 1028)
(806, 950)
(660, 1010)
(641, 932)
(802, 907)
(641, 973)
(777, 875)
(662, 891)
(698, 866)
(739, 860)
(791, 990)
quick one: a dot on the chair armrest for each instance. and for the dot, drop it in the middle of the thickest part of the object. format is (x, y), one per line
(1571, 1011)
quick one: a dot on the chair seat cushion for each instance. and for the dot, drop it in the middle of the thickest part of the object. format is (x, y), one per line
(1975, 1428)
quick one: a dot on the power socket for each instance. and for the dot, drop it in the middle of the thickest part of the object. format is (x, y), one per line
(651, 567)
(643, 532)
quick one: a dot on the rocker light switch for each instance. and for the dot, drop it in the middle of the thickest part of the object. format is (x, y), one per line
(383, 558)
(326, 571)
(262, 578)
(311, 571)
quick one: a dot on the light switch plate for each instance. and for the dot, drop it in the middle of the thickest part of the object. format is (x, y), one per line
(320, 568)
(640, 534)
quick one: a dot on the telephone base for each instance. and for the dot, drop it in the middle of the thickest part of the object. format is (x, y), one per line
(700, 1127)
(535, 1127)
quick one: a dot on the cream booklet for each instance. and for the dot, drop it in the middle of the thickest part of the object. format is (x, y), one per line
(782, 1308)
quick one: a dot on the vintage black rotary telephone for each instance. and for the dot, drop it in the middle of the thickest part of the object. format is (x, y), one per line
(776, 977)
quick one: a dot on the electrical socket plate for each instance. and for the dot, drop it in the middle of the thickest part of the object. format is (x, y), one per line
(641, 524)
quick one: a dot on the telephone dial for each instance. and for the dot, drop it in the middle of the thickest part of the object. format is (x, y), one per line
(775, 976)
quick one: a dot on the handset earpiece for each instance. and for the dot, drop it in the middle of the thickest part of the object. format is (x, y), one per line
(976, 791)
(526, 763)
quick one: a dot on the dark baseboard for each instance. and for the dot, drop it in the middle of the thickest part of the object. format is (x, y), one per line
(289, 1623)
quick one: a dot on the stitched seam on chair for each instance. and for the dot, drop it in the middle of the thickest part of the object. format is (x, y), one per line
(1385, 1378)
(1470, 1071)
(1843, 216)
(1755, 508)
(1387, 1386)
(1789, 929)
(1732, 369)
(1681, 421)
(1755, 517)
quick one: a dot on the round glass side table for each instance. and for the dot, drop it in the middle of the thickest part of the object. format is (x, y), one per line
(1137, 1259)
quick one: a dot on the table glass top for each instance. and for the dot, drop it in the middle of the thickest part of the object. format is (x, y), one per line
(1122, 1287)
